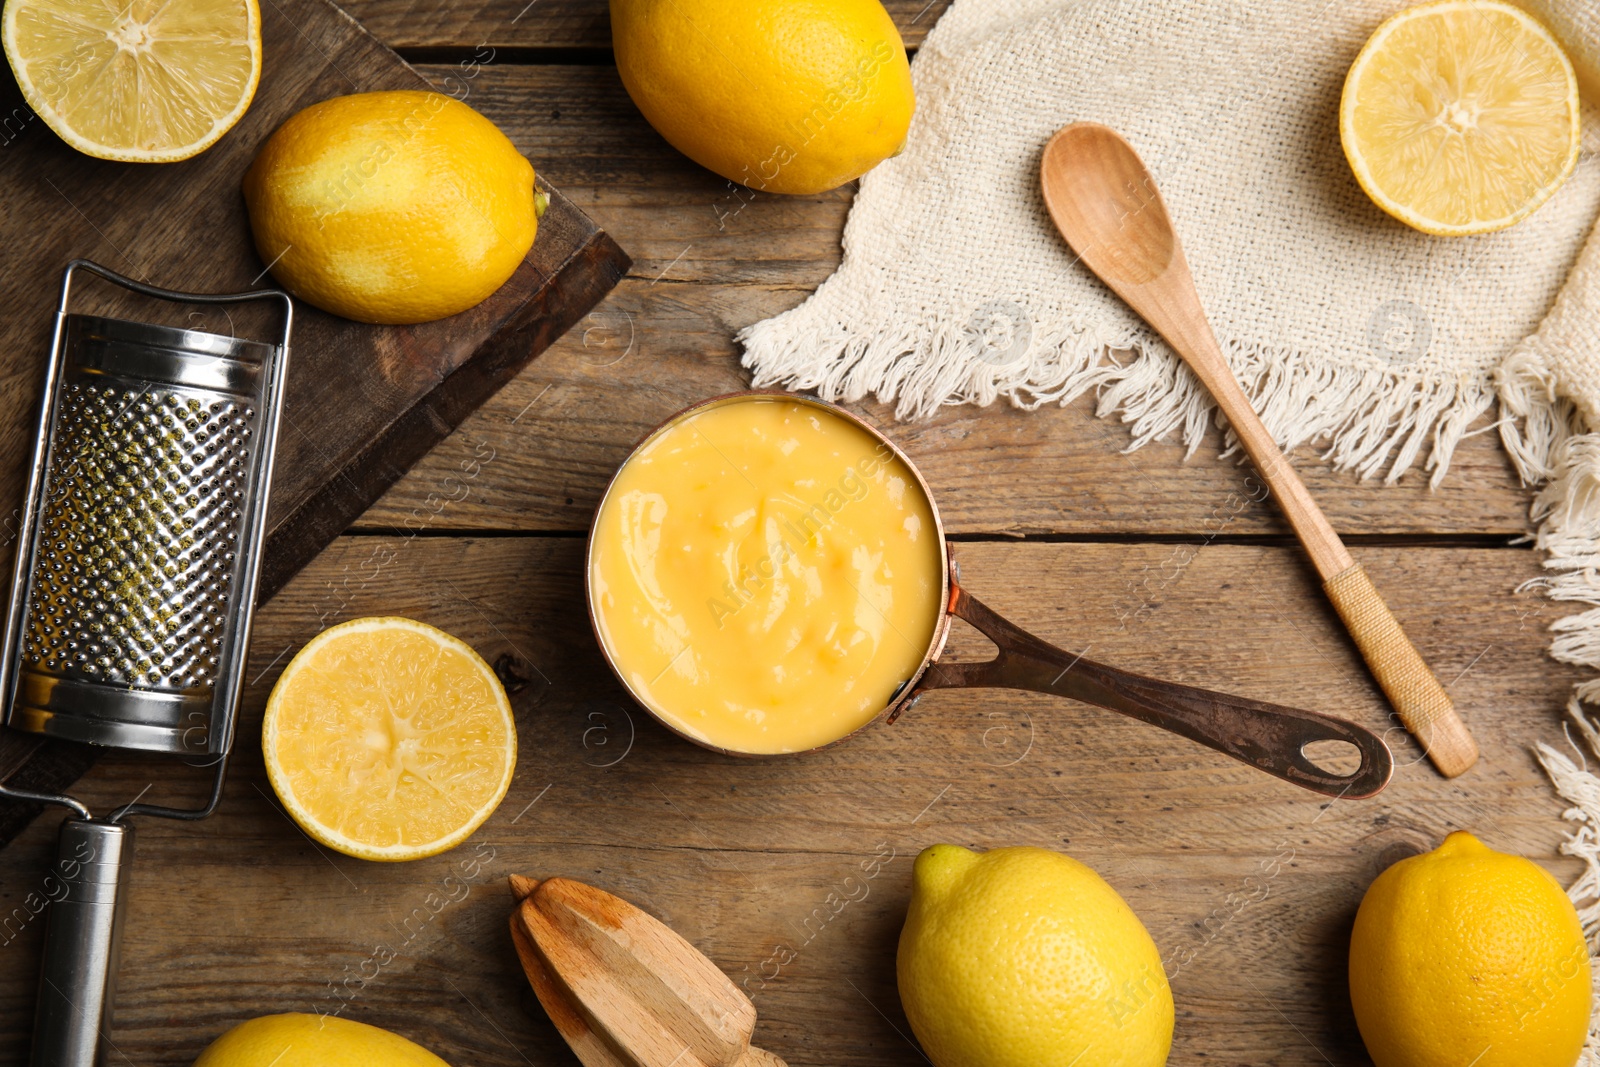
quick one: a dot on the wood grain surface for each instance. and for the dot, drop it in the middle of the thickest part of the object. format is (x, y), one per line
(567, 25)
(363, 402)
(793, 874)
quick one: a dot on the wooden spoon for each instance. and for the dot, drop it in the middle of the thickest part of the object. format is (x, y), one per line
(1106, 204)
(622, 988)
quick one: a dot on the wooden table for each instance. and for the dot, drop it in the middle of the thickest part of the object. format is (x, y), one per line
(794, 874)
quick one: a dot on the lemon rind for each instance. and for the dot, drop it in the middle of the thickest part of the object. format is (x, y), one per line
(326, 835)
(1415, 219)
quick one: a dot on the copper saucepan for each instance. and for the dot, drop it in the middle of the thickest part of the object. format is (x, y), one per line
(1270, 737)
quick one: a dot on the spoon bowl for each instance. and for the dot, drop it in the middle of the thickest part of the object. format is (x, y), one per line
(1123, 232)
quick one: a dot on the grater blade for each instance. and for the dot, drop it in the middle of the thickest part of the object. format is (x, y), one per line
(131, 609)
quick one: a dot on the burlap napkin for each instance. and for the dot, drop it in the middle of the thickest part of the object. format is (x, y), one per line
(1346, 327)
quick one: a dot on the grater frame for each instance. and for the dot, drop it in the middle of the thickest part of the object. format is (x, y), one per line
(213, 736)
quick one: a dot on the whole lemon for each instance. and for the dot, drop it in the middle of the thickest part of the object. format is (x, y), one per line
(391, 207)
(787, 96)
(299, 1040)
(1465, 955)
(1022, 957)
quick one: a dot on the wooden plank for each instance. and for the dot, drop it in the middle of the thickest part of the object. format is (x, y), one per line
(363, 402)
(708, 262)
(558, 432)
(546, 24)
(793, 874)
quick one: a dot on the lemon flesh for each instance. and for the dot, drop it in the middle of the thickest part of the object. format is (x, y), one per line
(784, 96)
(300, 1040)
(147, 81)
(388, 739)
(1022, 957)
(391, 207)
(1568, 21)
(1461, 116)
(1465, 955)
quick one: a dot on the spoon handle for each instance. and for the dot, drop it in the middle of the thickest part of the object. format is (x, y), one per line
(1405, 678)
(1106, 204)
(1416, 695)
(1184, 325)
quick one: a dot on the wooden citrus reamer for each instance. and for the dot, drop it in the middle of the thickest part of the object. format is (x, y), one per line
(1105, 203)
(622, 988)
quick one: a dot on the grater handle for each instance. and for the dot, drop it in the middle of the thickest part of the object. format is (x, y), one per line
(79, 971)
(175, 295)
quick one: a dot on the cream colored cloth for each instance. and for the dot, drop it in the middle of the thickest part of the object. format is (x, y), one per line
(1346, 327)
(1561, 362)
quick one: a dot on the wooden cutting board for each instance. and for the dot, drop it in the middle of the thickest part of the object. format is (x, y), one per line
(364, 402)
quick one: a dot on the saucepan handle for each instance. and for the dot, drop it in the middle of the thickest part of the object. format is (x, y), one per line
(79, 971)
(1270, 737)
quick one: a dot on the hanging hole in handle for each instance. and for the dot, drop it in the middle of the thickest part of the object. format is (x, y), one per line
(1333, 756)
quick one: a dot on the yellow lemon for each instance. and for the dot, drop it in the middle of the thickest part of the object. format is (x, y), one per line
(388, 739)
(786, 96)
(144, 81)
(1464, 955)
(299, 1040)
(391, 207)
(1022, 957)
(1461, 116)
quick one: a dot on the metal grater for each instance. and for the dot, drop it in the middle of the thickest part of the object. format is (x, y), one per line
(133, 591)
(136, 559)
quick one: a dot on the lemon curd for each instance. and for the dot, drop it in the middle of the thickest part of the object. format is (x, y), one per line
(765, 574)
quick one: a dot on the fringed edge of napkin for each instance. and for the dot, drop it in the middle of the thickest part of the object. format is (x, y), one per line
(1546, 427)
(1546, 439)
(1372, 420)
(1577, 784)
(1548, 410)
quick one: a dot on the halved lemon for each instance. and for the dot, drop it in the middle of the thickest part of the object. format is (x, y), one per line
(143, 81)
(388, 739)
(1461, 116)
